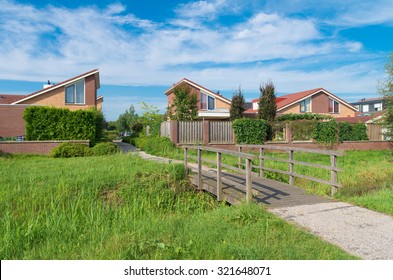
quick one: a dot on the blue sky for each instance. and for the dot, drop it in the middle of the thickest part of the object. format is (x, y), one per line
(142, 47)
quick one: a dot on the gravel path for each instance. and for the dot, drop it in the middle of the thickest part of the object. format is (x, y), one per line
(359, 231)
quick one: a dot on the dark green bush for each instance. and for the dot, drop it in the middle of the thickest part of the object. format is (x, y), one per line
(250, 131)
(103, 149)
(327, 133)
(303, 129)
(47, 123)
(67, 150)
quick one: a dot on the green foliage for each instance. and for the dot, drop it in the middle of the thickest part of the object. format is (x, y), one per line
(303, 129)
(184, 106)
(386, 89)
(327, 133)
(155, 145)
(109, 135)
(151, 119)
(68, 150)
(103, 149)
(305, 116)
(46, 123)
(238, 105)
(267, 102)
(137, 128)
(250, 131)
(352, 132)
(126, 120)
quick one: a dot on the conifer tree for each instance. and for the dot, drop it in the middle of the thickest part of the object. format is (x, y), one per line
(238, 105)
(267, 102)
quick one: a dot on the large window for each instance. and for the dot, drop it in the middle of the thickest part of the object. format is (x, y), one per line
(75, 94)
(334, 106)
(305, 105)
(365, 108)
(378, 107)
(207, 102)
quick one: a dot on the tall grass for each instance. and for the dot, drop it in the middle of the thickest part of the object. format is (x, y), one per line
(122, 207)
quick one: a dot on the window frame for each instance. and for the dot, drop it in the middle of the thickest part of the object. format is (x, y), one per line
(365, 106)
(304, 104)
(74, 97)
(333, 111)
(206, 103)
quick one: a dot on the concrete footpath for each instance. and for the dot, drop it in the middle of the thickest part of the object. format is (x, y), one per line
(359, 231)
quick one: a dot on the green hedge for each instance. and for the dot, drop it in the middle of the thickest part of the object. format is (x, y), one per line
(103, 149)
(352, 132)
(250, 131)
(47, 123)
(67, 150)
(306, 116)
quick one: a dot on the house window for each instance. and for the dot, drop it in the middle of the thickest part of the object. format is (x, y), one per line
(305, 105)
(207, 102)
(75, 94)
(334, 106)
(365, 108)
(378, 106)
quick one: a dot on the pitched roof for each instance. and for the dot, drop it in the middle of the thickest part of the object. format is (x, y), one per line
(361, 118)
(285, 101)
(61, 84)
(9, 98)
(191, 83)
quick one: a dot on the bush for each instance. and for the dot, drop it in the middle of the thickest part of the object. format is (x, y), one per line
(103, 149)
(47, 123)
(155, 145)
(303, 129)
(250, 131)
(327, 133)
(306, 116)
(67, 150)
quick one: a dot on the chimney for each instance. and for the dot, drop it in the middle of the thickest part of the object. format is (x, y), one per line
(47, 85)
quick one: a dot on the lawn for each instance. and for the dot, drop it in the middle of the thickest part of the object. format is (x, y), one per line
(122, 207)
(367, 176)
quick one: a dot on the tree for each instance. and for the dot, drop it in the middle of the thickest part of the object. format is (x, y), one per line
(238, 105)
(152, 118)
(267, 102)
(185, 104)
(127, 120)
(386, 89)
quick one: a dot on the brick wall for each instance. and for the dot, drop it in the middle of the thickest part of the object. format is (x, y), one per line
(33, 147)
(11, 120)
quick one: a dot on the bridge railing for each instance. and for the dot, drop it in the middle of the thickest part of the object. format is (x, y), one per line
(247, 157)
(334, 185)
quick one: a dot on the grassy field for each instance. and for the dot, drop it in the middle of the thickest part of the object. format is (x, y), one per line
(122, 207)
(367, 178)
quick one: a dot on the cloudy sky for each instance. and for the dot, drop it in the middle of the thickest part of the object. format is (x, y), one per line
(142, 47)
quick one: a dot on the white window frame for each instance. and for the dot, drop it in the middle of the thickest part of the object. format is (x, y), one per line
(339, 106)
(365, 106)
(305, 103)
(378, 107)
(207, 102)
(74, 94)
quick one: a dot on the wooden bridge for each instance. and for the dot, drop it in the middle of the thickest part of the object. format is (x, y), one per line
(245, 185)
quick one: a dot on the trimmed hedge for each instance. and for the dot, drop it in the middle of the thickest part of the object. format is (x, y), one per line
(352, 131)
(67, 150)
(250, 131)
(306, 116)
(103, 149)
(47, 123)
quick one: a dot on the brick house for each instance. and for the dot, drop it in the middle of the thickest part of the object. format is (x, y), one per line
(316, 101)
(79, 92)
(211, 105)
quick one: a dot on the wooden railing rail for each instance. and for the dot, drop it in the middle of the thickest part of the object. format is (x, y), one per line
(334, 185)
(219, 165)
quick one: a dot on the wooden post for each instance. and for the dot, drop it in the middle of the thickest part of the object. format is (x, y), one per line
(219, 182)
(185, 161)
(291, 169)
(248, 181)
(199, 169)
(261, 162)
(239, 162)
(333, 174)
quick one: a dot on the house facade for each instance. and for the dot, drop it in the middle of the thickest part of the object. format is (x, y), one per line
(369, 106)
(79, 92)
(315, 101)
(211, 105)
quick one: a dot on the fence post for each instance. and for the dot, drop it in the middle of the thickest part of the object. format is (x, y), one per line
(291, 169)
(261, 162)
(333, 174)
(185, 161)
(219, 182)
(199, 169)
(239, 162)
(248, 181)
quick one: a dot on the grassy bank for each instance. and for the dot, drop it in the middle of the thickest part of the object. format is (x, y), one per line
(366, 177)
(122, 207)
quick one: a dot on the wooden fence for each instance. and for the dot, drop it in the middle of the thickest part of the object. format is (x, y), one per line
(291, 164)
(247, 157)
(165, 130)
(221, 132)
(190, 132)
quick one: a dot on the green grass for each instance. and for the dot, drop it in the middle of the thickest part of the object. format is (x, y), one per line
(122, 207)
(366, 177)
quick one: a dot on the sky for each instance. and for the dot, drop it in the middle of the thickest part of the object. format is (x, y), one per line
(143, 47)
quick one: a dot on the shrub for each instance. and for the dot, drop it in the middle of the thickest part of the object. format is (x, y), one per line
(155, 145)
(302, 129)
(103, 149)
(327, 133)
(67, 150)
(250, 131)
(306, 116)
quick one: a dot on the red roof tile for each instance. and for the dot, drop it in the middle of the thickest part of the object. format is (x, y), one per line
(9, 98)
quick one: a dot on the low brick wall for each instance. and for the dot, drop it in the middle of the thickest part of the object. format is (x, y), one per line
(34, 147)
